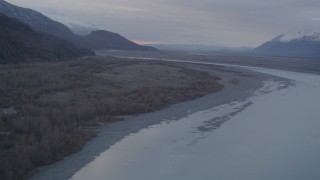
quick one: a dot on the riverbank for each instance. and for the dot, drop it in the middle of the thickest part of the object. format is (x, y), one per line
(239, 84)
(50, 110)
(269, 133)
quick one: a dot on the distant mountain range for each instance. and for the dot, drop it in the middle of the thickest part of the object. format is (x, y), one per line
(19, 43)
(302, 44)
(198, 47)
(297, 44)
(41, 23)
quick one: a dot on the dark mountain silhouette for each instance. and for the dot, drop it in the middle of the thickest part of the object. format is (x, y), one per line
(20, 43)
(98, 39)
(107, 40)
(303, 44)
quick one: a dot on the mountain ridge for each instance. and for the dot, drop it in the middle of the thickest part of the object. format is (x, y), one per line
(309, 34)
(20, 43)
(41, 23)
(75, 25)
(301, 44)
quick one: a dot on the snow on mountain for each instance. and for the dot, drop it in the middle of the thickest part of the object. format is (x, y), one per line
(75, 25)
(307, 34)
(301, 44)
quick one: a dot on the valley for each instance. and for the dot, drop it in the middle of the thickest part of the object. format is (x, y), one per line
(131, 90)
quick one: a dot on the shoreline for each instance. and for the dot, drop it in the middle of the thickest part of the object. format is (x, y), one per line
(110, 134)
(46, 118)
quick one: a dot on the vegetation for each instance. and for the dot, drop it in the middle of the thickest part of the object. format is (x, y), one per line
(46, 108)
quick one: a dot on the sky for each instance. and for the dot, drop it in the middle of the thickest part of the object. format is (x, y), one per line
(232, 23)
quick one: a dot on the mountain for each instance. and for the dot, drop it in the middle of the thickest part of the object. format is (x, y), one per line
(36, 20)
(305, 43)
(20, 43)
(43, 24)
(108, 40)
(75, 25)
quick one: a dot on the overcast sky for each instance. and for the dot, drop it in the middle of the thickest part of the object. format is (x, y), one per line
(214, 22)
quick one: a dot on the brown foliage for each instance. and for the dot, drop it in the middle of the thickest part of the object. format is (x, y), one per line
(56, 101)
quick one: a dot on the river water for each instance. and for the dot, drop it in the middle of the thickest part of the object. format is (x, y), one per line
(275, 134)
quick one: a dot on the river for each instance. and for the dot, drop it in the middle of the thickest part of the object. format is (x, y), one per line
(272, 135)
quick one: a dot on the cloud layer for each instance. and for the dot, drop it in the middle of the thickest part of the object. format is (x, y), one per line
(217, 22)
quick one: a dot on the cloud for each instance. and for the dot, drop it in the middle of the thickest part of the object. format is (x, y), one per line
(218, 22)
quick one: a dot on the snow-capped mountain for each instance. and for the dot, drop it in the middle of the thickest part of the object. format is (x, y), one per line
(306, 34)
(75, 25)
(305, 43)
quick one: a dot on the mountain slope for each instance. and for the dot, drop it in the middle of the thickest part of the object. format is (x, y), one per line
(108, 40)
(76, 26)
(36, 20)
(20, 43)
(43, 24)
(294, 44)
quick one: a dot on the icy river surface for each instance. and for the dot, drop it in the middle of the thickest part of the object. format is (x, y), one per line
(275, 134)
